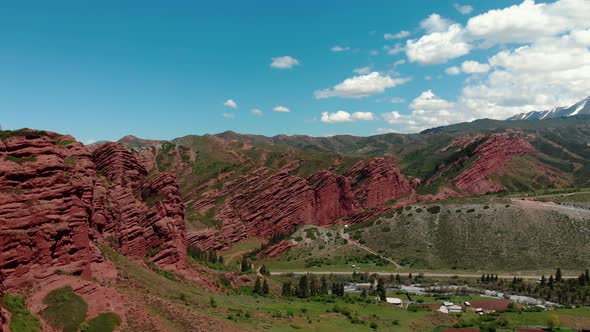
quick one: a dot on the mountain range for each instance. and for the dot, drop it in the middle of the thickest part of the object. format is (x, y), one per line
(581, 108)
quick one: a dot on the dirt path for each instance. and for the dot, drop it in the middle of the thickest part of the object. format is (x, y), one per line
(358, 245)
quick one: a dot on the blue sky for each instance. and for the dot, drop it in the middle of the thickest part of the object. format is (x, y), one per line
(161, 69)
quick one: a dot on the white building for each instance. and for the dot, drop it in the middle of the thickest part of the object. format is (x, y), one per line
(394, 301)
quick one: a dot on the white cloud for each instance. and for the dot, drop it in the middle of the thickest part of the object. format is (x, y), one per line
(453, 70)
(427, 100)
(438, 47)
(256, 112)
(399, 62)
(361, 86)
(284, 62)
(381, 131)
(344, 116)
(374, 52)
(229, 115)
(400, 35)
(395, 49)
(338, 48)
(230, 103)
(282, 109)
(463, 9)
(428, 111)
(393, 100)
(529, 21)
(435, 23)
(474, 67)
(551, 72)
(581, 37)
(362, 70)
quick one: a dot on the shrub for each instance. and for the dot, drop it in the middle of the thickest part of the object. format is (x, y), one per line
(22, 319)
(433, 209)
(105, 322)
(65, 310)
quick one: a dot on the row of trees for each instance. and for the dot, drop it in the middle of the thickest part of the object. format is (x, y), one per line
(204, 255)
(261, 287)
(555, 288)
(310, 286)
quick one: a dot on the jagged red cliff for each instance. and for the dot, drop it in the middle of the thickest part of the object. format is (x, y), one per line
(57, 199)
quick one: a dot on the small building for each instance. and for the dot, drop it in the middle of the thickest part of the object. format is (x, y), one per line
(467, 304)
(448, 304)
(455, 309)
(394, 301)
(479, 311)
(443, 309)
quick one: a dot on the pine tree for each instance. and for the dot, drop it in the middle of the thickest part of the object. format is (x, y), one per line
(265, 290)
(398, 278)
(558, 275)
(324, 285)
(341, 289)
(335, 288)
(381, 289)
(245, 266)
(483, 278)
(543, 281)
(550, 282)
(221, 260)
(314, 288)
(303, 289)
(364, 294)
(410, 276)
(258, 287)
(587, 276)
(286, 291)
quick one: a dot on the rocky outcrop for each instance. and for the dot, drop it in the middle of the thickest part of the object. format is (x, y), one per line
(492, 155)
(46, 184)
(334, 198)
(377, 181)
(56, 198)
(141, 216)
(264, 204)
(3, 318)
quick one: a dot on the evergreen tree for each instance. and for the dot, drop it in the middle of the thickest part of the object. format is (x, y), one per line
(245, 266)
(324, 285)
(221, 260)
(381, 289)
(410, 276)
(543, 281)
(558, 275)
(398, 278)
(550, 283)
(341, 289)
(314, 287)
(258, 286)
(335, 288)
(483, 278)
(364, 294)
(286, 291)
(265, 289)
(303, 289)
(587, 277)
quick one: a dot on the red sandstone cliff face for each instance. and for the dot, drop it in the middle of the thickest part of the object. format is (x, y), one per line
(139, 215)
(377, 181)
(264, 204)
(493, 154)
(56, 199)
(45, 203)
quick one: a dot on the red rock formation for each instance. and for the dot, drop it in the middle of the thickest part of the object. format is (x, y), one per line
(334, 198)
(377, 181)
(140, 216)
(276, 249)
(264, 204)
(493, 153)
(45, 203)
(3, 318)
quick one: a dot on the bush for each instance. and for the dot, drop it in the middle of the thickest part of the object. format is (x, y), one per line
(434, 209)
(65, 310)
(105, 322)
(22, 320)
(374, 325)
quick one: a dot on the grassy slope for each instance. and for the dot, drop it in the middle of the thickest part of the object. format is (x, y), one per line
(472, 235)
